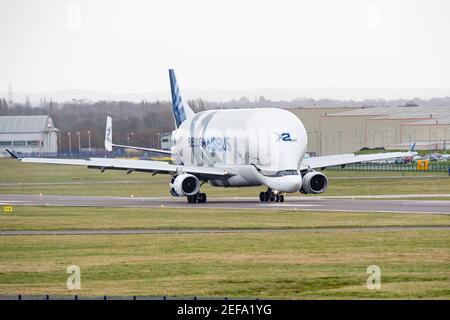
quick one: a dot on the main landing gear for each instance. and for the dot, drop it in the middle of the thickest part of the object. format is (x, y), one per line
(197, 198)
(269, 195)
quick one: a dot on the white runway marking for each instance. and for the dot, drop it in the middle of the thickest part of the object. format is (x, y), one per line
(290, 205)
(12, 202)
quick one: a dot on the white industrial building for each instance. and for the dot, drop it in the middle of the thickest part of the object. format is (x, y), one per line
(28, 134)
(165, 140)
(346, 130)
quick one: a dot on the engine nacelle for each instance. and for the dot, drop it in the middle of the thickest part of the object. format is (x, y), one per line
(314, 182)
(184, 185)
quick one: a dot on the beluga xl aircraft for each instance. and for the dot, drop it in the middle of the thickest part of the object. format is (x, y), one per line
(230, 148)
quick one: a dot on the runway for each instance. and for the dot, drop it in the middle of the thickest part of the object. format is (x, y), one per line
(291, 203)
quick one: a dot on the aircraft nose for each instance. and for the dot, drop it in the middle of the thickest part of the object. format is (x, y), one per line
(292, 184)
(286, 183)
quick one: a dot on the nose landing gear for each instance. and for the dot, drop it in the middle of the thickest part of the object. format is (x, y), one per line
(271, 196)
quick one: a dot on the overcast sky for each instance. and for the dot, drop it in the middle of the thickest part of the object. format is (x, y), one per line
(127, 46)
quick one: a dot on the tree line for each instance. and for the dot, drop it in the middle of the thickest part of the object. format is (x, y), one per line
(140, 124)
(136, 123)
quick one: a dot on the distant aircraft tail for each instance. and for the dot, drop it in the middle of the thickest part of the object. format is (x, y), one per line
(108, 134)
(181, 110)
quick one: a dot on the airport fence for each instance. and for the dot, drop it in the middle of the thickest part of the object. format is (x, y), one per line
(433, 167)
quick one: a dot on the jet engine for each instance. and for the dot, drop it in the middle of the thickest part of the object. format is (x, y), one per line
(184, 185)
(314, 182)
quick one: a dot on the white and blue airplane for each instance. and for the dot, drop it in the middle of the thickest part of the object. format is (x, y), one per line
(230, 148)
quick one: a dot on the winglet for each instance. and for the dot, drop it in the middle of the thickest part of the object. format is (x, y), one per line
(12, 154)
(411, 148)
(108, 134)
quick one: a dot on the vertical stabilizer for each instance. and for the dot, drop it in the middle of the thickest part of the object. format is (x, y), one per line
(181, 110)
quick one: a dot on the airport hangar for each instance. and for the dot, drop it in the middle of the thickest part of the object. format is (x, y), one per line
(347, 130)
(28, 134)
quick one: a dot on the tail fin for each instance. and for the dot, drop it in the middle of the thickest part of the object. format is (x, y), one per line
(181, 110)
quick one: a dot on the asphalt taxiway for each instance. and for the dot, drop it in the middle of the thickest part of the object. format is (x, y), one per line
(213, 231)
(291, 203)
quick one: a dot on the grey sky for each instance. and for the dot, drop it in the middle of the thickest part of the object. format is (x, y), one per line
(127, 46)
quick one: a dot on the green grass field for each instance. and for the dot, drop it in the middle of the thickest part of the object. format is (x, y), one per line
(414, 264)
(63, 218)
(319, 264)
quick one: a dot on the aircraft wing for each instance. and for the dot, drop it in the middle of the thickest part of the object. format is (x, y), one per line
(140, 148)
(342, 159)
(132, 165)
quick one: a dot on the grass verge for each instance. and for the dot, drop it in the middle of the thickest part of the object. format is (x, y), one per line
(414, 264)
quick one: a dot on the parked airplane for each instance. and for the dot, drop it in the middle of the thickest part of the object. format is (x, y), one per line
(230, 148)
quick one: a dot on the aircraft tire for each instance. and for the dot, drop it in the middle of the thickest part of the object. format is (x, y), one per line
(201, 198)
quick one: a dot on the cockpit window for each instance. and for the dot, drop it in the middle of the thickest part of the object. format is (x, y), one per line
(280, 173)
(288, 173)
(291, 172)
